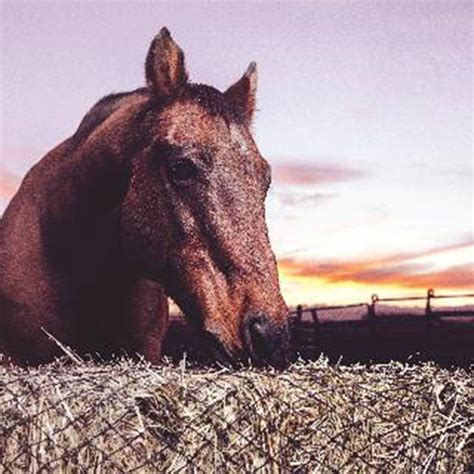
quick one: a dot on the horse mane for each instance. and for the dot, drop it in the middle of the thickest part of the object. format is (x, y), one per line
(208, 97)
(103, 109)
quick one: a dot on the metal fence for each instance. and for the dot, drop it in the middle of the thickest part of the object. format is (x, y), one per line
(382, 333)
(371, 307)
(365, 332)
(132, 417)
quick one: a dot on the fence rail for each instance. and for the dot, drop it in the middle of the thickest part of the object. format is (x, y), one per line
(371, 307)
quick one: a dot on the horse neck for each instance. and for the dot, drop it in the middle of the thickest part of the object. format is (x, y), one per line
(80, 187)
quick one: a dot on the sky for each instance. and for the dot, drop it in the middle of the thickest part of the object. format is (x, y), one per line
(365, 112)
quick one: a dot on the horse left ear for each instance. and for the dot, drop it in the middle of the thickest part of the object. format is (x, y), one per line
(164, 67)
(242, 94)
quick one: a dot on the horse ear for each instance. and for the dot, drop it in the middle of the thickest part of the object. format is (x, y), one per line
(242, 94)
(164, 67)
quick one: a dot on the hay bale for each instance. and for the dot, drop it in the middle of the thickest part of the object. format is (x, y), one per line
(313, 417)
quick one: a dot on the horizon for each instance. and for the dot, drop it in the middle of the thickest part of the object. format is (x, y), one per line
(365, 114)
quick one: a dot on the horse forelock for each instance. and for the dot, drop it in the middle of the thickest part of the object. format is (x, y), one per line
(212, 100)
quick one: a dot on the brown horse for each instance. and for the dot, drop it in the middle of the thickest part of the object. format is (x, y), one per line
(160, 192)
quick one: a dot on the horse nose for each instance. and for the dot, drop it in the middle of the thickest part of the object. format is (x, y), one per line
(266, 342)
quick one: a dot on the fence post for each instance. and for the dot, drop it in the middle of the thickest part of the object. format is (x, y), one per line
(299, 312)
(371, 308)
(314, 316)
(429, 295)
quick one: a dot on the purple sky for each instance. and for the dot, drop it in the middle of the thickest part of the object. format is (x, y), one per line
(365, 112)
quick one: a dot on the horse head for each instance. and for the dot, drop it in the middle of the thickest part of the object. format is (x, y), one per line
(193, 215)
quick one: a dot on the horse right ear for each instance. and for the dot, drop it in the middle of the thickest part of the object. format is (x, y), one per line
(164, 68)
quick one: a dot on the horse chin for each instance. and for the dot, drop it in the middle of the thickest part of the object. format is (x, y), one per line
(218, 352)
(266, 343)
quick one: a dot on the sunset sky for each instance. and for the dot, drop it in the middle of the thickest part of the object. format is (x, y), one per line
(365, 113)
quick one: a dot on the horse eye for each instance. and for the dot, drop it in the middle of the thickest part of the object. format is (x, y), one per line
(183, 170)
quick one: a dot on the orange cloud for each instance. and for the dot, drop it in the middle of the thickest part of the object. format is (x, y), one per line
(461, 276)
(393, 270)
(304, 174)
(8, 184)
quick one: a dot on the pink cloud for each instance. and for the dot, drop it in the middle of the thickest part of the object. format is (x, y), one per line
(294, 198)
(304, 174)
(8, 184)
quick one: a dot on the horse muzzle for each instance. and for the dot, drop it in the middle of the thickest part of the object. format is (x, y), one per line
(265, 343)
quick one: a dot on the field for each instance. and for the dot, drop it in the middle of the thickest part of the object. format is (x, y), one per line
(76, 416)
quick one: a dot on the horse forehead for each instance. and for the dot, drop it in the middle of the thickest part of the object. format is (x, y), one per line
(240, 139)
(189, 123)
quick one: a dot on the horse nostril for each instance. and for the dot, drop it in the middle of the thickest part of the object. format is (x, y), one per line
(257, 327)
(266, 342)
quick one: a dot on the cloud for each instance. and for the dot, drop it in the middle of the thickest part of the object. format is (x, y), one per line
(293, 198)
(8, 184)
(363, 113)
(308, 173)
(406, 256)
(461, 276)
(394, 270)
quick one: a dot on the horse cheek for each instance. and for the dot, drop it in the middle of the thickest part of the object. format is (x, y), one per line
(142, 235)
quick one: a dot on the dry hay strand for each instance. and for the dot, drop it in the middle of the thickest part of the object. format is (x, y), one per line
(314, 417)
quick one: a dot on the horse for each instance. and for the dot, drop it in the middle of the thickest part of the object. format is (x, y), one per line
(159, 193)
